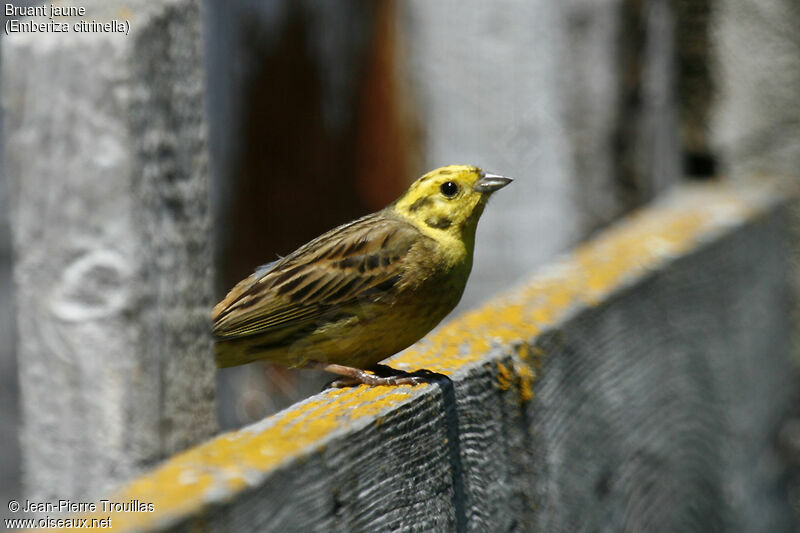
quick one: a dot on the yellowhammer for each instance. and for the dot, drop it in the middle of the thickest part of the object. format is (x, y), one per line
(365, 290)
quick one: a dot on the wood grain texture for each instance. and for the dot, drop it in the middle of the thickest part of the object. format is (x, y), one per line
(105, 154)
(633, 386)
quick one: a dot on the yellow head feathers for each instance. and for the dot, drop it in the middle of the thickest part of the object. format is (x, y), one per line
(449, 199)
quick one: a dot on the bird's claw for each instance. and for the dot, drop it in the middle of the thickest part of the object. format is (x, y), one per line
(382, 375)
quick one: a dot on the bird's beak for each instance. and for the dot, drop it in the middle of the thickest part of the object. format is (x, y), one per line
(491, 182)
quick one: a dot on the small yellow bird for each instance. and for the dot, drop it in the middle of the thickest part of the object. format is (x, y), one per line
(365, 290)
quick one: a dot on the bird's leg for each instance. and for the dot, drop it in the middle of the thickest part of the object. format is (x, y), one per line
(356, 376)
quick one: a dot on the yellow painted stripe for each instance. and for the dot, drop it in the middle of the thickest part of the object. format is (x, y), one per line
(217, 470)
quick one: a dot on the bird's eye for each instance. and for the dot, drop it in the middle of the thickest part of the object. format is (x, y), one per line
(449, 189)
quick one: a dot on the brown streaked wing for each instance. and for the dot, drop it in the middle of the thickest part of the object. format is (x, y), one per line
(351, 263)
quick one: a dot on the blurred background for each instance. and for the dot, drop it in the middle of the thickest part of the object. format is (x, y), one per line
(320, 112)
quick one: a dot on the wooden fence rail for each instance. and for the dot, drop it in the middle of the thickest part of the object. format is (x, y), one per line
(635, 385)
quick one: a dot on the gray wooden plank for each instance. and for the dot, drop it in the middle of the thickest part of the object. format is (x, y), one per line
(106, 161)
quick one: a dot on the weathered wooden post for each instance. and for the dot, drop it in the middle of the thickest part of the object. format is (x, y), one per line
(757, 58)
(9, 390)
(106, 159)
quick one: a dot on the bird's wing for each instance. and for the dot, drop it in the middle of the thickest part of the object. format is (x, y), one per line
(357, 262)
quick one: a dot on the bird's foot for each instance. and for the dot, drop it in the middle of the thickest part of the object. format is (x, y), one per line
(383, 375)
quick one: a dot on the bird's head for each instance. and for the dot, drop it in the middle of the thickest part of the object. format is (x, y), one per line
(449, 200)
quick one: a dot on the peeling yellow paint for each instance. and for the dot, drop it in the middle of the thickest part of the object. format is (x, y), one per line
(219, 469)
(527, 376)
(520, 374)
(504, 377)
(225, 465)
